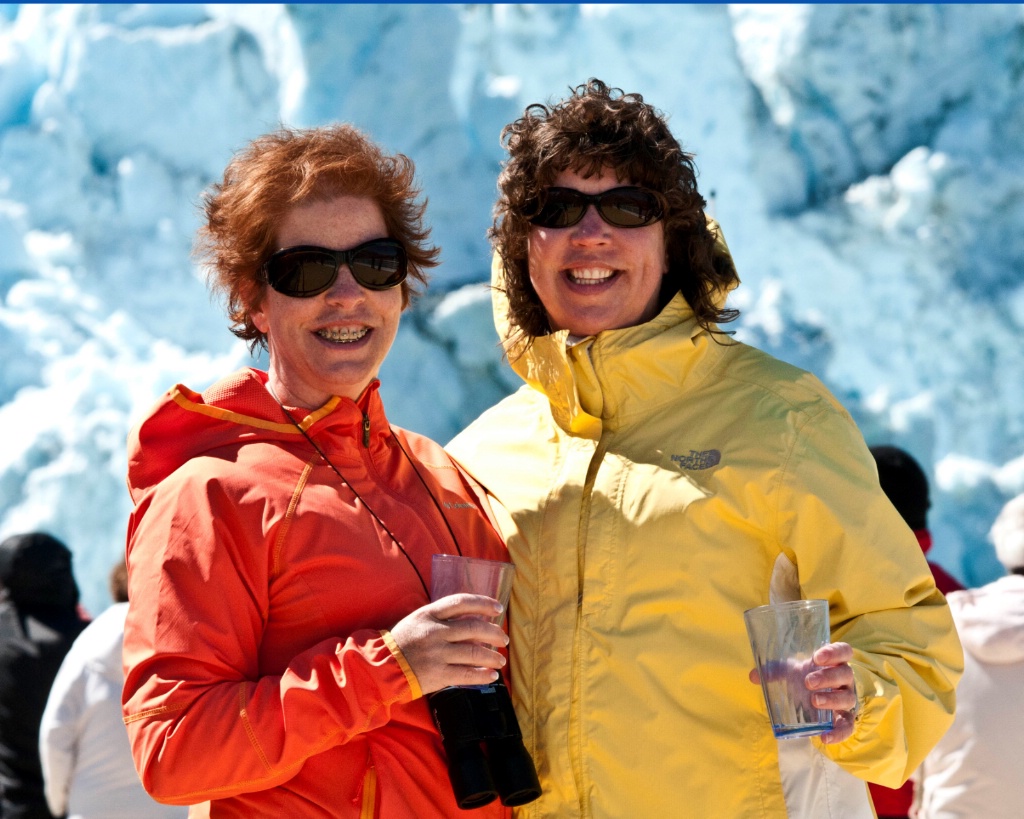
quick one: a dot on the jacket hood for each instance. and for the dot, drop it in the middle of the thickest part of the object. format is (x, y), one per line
(185, 424)
(499, 301)
(990, 620)
(35, 572)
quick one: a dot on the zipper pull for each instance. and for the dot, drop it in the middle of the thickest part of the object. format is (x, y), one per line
(366, 430)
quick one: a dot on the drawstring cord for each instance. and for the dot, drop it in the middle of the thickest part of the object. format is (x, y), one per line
(384, 526)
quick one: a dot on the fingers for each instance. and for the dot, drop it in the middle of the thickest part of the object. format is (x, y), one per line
(837, 676)
(838, 699)
(473, 630)
(465, 605)
(834, 688)
(472, 654)
(833, 654)
(452, 642)
(465, 675)
(833, 682)
(842, 728)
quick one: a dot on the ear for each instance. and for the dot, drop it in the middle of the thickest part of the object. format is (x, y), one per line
(259, 317)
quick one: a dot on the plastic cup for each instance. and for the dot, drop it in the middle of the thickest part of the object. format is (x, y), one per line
(783, 637)
(452, 574)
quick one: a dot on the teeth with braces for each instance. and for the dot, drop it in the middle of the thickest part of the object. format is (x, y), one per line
(343, 336)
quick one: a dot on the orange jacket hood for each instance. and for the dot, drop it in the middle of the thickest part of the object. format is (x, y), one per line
(185, 423)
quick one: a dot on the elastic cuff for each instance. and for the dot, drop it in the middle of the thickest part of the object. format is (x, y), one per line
(396, 652)
(862, 687)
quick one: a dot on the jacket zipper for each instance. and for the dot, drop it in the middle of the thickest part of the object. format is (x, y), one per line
(366, 430)
(575, 714)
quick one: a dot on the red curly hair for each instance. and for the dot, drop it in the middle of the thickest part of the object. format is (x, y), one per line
(281, 170)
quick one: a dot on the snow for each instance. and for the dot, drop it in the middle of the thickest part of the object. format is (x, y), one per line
(865, 163)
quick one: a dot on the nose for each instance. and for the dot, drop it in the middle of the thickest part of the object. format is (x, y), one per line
(345, 288)
(591, 229)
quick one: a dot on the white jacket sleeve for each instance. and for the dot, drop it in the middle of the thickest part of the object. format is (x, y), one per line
(59, 731)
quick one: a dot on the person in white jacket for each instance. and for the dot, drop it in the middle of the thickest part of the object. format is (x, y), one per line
(976, 771)
(88, 772)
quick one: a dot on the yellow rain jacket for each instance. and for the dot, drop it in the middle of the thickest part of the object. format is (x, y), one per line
(654, 482)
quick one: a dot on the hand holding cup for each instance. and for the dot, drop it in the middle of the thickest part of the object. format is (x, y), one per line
(807, 681)
(453, 641)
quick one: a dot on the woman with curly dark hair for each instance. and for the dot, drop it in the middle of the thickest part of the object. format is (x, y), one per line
(281, 639)
(594, 130)
(655, 478)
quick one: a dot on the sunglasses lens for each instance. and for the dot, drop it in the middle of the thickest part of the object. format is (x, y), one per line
(302, 273)
(621, 207)
(562, 208)
(380, 265)
(629, 207)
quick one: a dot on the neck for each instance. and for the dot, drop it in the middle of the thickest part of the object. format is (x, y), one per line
(285, 397)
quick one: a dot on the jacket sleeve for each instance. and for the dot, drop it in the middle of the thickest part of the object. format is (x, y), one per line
(59, 731)
(202, 721)
(851, 547)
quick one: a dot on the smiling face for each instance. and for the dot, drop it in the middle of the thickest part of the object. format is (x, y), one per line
(594, 276)
(335, 342)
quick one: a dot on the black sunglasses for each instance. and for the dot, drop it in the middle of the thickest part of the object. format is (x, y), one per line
(626, 207)
(308, 270)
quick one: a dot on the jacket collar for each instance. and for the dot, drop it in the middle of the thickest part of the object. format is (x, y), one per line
(604, 380)
(238, 409)
(608, 379)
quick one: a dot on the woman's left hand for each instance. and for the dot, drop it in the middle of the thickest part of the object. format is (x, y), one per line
(833, 688)
(834, 672)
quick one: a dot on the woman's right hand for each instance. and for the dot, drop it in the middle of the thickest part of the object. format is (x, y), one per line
(452, 641)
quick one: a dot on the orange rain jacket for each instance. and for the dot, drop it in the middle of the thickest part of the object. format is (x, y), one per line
(260, 673)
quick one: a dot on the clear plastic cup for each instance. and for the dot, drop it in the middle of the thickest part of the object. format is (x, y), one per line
(783, 637)
(451, 574)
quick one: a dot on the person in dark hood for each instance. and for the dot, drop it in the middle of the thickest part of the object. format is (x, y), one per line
(39, 620)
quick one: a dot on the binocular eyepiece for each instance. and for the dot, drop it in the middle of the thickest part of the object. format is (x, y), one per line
(486, 755)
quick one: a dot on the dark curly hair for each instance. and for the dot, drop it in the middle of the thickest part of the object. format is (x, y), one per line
(287, 168)
(595, 128)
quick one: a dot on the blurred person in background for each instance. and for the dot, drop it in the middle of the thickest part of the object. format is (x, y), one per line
(280, 638)
(88, 770)
(654, 479)
(39, 620)
(977, 769)
(905, 484)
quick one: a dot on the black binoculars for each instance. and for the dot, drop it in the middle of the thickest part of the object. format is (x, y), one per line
(486, 755)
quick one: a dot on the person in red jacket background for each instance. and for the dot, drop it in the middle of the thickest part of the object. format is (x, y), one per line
(906, 485)
(280, 638)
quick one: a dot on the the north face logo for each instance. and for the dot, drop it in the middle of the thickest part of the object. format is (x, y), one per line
(698, 460)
